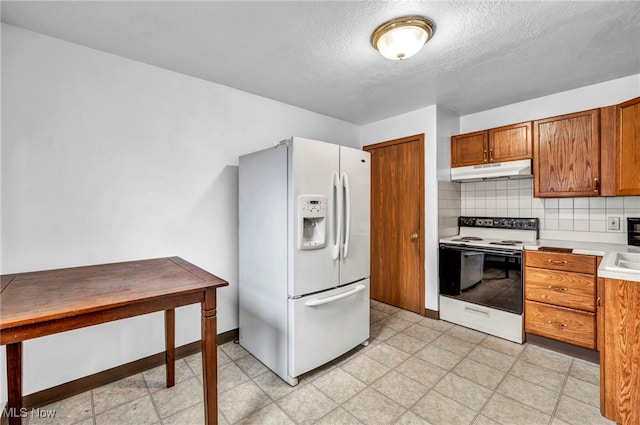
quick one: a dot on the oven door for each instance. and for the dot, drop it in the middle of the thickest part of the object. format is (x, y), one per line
(491, 277)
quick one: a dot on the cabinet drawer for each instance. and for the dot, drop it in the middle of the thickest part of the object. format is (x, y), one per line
(566, 262)
(563, 324)
(573, 290)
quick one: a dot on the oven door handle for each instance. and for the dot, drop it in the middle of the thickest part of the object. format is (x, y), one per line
(469, 249)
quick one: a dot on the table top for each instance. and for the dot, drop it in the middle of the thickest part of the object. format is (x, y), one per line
(34, 297)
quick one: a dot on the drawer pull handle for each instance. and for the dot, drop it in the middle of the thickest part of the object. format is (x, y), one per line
(560, 325)
(476, 311)
(557, 261)
(557, 288)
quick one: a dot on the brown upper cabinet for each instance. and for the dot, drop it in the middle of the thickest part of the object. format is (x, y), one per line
(469, 149)
(620, 148)
(566, 159)
(508, 143)
(628, 148)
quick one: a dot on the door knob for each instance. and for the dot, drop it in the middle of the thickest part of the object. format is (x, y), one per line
(414, 236)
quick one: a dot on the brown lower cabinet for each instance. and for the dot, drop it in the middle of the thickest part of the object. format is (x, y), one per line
(560, 297)
(568, 325)
(619, 326)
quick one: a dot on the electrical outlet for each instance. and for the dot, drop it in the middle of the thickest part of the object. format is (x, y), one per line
(613, 223)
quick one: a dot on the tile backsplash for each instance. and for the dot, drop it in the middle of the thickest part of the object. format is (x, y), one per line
(560, 218)
(449, 207)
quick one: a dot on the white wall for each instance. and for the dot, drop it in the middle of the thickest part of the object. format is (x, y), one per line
(580, 99)
(106, 159)
(421, 121)
(448, 124)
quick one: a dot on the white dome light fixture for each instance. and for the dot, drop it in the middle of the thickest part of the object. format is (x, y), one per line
(402, 38)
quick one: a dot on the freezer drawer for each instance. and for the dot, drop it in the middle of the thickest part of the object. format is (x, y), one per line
(326, 325)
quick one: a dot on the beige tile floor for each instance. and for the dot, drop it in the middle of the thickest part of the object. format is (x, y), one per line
(415, 371)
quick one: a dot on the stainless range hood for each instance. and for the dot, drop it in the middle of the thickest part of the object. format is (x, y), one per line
(496, 170)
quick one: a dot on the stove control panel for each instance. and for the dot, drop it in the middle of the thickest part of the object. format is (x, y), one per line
(500, 223)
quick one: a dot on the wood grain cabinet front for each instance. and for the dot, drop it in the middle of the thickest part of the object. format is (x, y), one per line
(628, 148)
(560, 297)
(469, 149)
(566, 289)
(507, 143)
(566, 155)
(572, 326)
(620, 149)
(511, 142)
(562, 261)
(619, 319)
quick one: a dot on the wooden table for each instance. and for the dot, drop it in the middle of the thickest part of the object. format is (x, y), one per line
(47, 302)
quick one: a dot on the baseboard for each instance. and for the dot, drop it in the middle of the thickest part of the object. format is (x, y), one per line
(564, 348)
(225, 337)
(81, 385)
(432, 314)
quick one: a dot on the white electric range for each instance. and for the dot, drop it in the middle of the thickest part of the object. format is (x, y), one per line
(481, 272)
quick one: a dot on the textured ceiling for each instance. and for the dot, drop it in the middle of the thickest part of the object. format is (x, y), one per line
(317, 54)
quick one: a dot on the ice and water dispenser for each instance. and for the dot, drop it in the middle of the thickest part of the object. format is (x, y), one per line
(312, 222)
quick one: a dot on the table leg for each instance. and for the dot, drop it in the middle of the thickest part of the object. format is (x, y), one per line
(209, 358)
(170, 345)
(14, 383)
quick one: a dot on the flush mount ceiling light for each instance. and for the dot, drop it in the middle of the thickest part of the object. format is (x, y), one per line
(402, 38)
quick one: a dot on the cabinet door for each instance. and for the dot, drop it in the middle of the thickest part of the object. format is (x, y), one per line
(566, 160)
(469, 149)
(619, 366)
(510, 143)
(628, 148)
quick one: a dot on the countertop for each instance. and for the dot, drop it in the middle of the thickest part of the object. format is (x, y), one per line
(591, 248)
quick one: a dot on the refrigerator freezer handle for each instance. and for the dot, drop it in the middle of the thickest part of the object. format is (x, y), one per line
(337, 216)
(314, 303)
(347, 214)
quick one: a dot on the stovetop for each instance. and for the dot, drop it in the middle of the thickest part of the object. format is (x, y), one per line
(472, 239)
(491, 232)
(485, 242)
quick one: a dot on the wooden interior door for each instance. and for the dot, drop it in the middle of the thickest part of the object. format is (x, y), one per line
(397, 222)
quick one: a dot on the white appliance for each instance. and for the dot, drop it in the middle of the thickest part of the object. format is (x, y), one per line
(507, 169)
(304, 211)
(481, 274)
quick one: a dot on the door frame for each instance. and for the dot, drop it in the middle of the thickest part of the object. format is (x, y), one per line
(421, 184)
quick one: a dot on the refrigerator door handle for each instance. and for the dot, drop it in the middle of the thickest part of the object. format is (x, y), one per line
(347, 214)
(321, 301)
(337, 216)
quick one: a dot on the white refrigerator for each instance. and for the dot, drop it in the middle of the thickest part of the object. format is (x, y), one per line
(304, 219)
